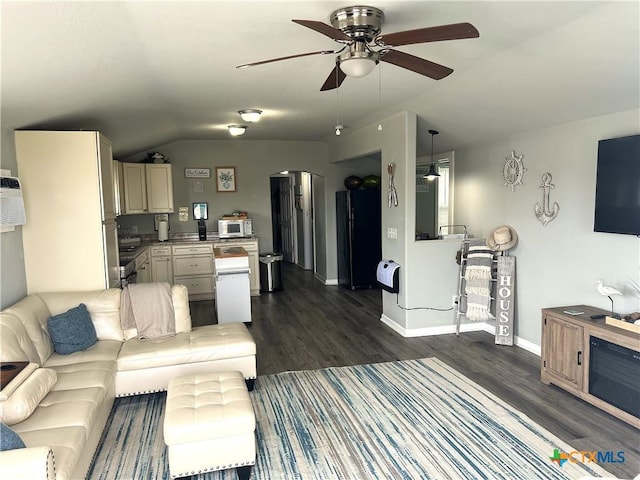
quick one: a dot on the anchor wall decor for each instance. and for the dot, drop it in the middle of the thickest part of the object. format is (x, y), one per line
(543, 213)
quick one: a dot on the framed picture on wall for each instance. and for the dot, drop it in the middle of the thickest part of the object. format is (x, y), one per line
(225, 179)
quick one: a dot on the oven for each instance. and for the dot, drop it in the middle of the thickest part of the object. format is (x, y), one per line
(128, 273)
(129, 279)
(127, 251)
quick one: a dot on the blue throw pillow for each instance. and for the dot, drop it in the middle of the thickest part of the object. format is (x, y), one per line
(72, 331)
(9, 440)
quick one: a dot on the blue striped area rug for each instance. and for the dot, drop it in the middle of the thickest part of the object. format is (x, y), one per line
(416, 419)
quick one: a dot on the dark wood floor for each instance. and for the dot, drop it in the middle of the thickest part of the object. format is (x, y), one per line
(309, 325)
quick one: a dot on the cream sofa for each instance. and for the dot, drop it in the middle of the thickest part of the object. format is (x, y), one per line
(68, 398)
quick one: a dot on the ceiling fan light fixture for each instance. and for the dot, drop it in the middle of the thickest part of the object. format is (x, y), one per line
(237, 130)
(357, 67)
(250, 115)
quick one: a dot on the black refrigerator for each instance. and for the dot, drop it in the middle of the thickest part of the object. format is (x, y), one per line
(358, 215)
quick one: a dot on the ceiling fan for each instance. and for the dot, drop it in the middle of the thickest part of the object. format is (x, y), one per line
(358, 29)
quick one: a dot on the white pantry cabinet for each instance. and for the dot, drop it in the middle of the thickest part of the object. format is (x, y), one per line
(70, 238)
(147, 188)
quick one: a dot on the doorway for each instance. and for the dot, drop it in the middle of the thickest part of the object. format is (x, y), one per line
(295, 199)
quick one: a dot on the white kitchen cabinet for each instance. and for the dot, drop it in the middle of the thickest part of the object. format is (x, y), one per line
(159, 187)
(193, 267)
(252, 248)
(70, 239)
(161, 263)
(143, 267)
(134, 188)
(147, 188)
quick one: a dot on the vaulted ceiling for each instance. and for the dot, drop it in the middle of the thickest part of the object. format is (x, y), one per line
(148, 73)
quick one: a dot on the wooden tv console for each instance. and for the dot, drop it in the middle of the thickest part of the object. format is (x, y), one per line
(565, 351)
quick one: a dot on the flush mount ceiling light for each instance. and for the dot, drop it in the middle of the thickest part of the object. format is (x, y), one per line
(250, 114)
(237, 130)
(432, 174)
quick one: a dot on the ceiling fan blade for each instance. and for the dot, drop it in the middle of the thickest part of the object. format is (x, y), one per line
(323, 28)
(320, 52)
(334, 80)
(416, 64)
(454, 31)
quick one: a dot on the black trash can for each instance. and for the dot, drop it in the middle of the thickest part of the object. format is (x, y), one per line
(270, 272)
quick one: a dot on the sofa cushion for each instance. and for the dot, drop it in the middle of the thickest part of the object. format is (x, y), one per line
(9, 440)
(202, 344)
(77, 376)
(26, 398)
(16, 344)
(33, 314)
(103, 306)
(102, 350)
(72, 331)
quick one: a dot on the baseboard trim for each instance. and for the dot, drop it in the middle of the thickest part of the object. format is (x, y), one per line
(331, 281)
(447, 329)
(429, 331)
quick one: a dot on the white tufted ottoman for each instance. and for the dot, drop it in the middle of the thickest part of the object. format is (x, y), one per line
(209, 424)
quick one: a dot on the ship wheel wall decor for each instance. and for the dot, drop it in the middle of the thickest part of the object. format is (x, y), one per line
(513, 171)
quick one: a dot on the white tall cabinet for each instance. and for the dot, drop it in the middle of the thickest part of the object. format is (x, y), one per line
(70, 240)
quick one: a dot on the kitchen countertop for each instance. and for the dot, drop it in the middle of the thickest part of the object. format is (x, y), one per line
(230, 252)
(132, 251)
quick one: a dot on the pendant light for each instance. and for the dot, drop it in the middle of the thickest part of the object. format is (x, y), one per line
(432, 174)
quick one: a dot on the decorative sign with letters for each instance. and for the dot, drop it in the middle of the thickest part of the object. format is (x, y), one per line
(197, 172)
(505, 298)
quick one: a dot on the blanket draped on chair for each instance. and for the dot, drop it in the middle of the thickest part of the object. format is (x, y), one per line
(477, 276)
(148, 307)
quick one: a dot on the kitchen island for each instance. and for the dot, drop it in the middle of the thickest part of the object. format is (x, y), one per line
(233, 299)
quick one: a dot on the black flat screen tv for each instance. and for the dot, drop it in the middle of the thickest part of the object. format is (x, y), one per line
(617, 208)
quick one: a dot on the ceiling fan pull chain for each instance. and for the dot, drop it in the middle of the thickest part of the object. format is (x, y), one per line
(380, 98)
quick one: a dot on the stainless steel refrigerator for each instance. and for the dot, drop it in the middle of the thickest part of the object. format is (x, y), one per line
(359, 229)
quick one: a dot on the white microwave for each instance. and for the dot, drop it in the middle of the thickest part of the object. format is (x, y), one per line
(235, 228)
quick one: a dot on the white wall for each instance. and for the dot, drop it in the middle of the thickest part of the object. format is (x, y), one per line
(397, 142)
(558, 264)
(13, 280)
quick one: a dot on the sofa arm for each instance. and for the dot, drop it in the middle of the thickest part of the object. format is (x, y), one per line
(180, 299)
(32, 463)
